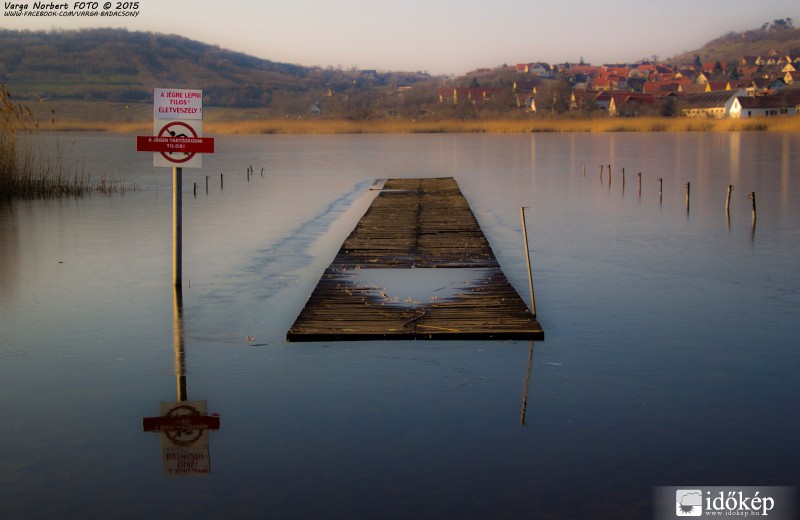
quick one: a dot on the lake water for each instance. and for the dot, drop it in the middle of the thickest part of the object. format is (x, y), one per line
(671, 355)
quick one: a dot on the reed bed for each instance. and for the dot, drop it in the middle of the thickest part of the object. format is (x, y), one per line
(30, 171)
(137, 118)
(500, 126)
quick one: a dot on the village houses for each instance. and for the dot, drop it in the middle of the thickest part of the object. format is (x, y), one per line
(753, 86)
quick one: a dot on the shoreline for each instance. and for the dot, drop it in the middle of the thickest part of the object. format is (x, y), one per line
(108, 116)
(138, 118)
(489, 126)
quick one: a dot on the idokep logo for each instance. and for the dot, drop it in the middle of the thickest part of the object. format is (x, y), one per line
(772, 502)
(689, 502)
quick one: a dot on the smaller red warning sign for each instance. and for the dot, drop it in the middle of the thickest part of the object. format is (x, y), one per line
(180, 423)
(189, 145)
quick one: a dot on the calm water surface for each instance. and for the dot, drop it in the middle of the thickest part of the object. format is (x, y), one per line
(670, 355)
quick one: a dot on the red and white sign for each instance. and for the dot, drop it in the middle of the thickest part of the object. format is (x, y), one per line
(176, 141)
(171, 103)
(178, 129)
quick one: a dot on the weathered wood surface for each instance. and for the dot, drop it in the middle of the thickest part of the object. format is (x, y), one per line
(415, 223)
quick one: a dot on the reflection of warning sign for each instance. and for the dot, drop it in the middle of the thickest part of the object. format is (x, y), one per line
(184, 430)
(181, 421)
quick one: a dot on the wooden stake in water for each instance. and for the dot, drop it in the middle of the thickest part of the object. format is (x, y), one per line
(527, 258)
(639, 175)
(206, 183)
(220, 181)
(728, 198)
(688, 189)
(177, 225)
(660, 189)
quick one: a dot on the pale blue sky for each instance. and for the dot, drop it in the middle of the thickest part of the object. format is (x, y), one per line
(440, 36)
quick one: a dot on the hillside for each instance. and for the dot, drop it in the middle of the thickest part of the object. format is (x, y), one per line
(123, 66)
(758, 42)
(107, 76)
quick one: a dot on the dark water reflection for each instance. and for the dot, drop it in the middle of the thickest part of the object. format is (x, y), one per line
(670, 355)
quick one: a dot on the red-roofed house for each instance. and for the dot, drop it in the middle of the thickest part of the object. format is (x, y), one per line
(718, 85)
(629, 104)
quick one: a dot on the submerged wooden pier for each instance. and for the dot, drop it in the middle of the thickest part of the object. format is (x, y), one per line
(415, 227)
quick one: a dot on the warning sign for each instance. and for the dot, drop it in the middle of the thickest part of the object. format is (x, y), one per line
(170, 103)
(177, 129)
(178, 153)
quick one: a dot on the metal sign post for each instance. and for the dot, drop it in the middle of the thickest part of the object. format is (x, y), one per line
(177, 225)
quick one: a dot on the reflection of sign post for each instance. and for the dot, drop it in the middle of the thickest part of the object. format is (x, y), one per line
(184, 425)
(184, 430)
(179, 143)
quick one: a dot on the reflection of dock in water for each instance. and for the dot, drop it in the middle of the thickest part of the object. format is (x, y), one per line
(415, 229)
(183, 425)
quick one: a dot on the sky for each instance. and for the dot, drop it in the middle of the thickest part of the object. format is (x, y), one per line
(438, 36)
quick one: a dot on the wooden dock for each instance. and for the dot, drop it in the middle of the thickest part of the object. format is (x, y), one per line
(415, 224)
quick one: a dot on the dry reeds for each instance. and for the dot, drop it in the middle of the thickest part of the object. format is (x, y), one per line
(26, 173)
(130, 118)
(500, 126)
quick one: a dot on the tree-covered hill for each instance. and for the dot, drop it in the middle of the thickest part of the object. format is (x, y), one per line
(121, 65)
(779, 35)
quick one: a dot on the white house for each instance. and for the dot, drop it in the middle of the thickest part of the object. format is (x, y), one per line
(785, 102)
(716, 104)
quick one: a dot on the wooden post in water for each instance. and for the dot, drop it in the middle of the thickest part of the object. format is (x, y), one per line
(177, 225)
(220, 181)
(639, 175)
(660, 190)
(609, 175)
(601, 172)
(752, 197)
(194, 191)
(688, 189)
(206, 183)
(728, 198)
(527, 258)
(728, 206)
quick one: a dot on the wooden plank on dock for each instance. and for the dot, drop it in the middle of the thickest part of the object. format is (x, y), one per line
(415, 224)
